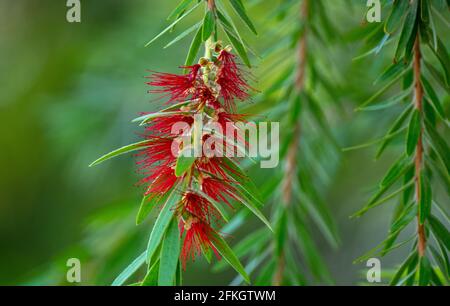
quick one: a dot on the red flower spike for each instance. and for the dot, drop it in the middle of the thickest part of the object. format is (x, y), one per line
(157, 164)
(199, 238)
(178, 87)
(216, 166)
(219, 190)
(162, 126)
(232, 83)
(197, 206)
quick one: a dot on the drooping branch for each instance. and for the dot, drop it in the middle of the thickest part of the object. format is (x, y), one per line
(291, 161)
(419, 148)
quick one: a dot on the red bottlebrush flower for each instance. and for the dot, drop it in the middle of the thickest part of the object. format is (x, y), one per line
(223, 118)
(199, 238)
(219, 190)
(157, 164)
(162, 180)
(178, 87)
(163, 125)
(232, 83)
(216, 166)
(197, 206)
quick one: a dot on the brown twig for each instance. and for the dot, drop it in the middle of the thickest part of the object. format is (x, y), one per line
(419, 148)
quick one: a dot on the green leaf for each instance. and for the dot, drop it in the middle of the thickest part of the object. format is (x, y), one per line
(151, 278)
(414, 131)
(227, 253)
(425, 198)
(391, 72)
(408, 29)
(433, 97)
(172, 25)
(237, 43)
(162, 222)
(170, 253)
(399, 9)
(244, 182)
(395, 100)
(255, 210)
(194, 48)
(240, 10)
(440, 231)
(396, 171)
(209, 24)
(214, 203)
(442, 54)
(383, 90)
(148, 117)
(179, 9)
(404, 219)
(130, 270)
(424, 271)
(184, 34)
(184, 163)
(126, 149)
(411, 259)
(437, 76)
(440, 146)
(147, 204)
(375, 199)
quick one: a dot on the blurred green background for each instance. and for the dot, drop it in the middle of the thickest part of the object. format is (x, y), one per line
(68, 94)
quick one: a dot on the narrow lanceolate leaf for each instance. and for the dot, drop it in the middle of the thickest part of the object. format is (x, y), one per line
(214, 203)
(440, 145)
(376, 201)
(126, 149)
(440, 231)
(414, 131)
(194, 48)
(239, 47)
(172, 25)
(184, 161)
(433, 97)
(130, 270)
(227, 253)
(393, 129)
(183, 5)
(396, 171)
(411, 259)
(151, 278)
(161, 223)
(444, 58)
(245, 183)
(393, 101)
(184, 34)
(424, 271)
(149, 117)
(391, 72)
(408, 29)
(170, 252)
(147, 204)
(384, 89)
(425, 198)
(399, 9)
(240, 10)
(255, 210)
(209, 23)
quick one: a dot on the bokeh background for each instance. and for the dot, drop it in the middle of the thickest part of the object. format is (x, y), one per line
(68, 94)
